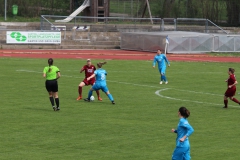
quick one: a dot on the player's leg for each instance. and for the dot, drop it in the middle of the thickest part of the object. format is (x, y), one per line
(161, 78)
(82, 84)
(93, 88)
(98, 94)
(233, 91)
(56, 101)
(225, 101)
(177, 154)
(97, 91)
(55, 94)
(235, 100)
(48, 88)
(163, 74)
(51, 99)
(186, 155)
(105, 89)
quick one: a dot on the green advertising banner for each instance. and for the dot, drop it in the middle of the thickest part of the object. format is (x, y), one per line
(19, 37)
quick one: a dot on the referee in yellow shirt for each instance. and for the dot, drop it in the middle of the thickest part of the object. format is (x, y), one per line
(52, 73)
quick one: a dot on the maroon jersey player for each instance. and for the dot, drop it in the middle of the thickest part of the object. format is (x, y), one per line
(89, 70)
(231, 90)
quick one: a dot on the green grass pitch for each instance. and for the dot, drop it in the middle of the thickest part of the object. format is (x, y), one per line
(136, 128)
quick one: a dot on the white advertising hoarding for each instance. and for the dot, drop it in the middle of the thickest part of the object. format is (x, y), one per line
(19, 37)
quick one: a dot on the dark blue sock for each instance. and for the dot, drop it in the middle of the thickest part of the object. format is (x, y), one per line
(90, 94)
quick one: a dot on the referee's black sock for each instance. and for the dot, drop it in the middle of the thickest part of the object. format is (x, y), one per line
(57, 102)
(51, 100)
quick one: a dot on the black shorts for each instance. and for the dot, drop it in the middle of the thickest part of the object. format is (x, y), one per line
(51, 85)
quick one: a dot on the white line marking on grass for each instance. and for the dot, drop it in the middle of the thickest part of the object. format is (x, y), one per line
(29, 71)
(158, 93)
(23, 70)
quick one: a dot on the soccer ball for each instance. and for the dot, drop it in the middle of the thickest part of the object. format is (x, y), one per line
(92, 98)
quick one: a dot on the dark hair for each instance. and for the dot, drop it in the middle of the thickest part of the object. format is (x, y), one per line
(100, 64)
(50, 62)
(184, 112)
(231, 70)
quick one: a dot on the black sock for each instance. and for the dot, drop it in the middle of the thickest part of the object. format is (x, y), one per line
(57, 102)
(51, 100)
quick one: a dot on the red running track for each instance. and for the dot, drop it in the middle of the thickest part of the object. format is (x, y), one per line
(111, 55)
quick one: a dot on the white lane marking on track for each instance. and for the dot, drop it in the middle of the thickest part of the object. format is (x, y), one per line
(200, 60)
(158, 93)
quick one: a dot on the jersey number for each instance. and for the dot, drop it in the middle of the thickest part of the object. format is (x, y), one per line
(103, 76)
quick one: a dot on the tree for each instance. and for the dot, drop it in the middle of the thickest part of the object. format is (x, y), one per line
(233, 12)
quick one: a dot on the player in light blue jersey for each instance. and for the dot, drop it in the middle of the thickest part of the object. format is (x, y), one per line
(184, 130)
(100, 82)
(160, 58)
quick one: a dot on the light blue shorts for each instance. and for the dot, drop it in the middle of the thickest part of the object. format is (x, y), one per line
(96, 87)
(181, 153)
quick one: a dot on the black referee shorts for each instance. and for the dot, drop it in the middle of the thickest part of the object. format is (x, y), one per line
(51, 85)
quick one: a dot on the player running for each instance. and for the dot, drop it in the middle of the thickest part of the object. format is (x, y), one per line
(100, 83)
(89, 70)
(52, 73)
(231, 90)
(160, 58)
(184, 130)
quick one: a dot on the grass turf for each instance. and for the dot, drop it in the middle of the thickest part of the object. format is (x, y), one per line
(136, 128)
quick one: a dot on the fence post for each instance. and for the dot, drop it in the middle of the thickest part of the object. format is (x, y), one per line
(206, 26)
(41, 22)
(175, 24)
(162, 27)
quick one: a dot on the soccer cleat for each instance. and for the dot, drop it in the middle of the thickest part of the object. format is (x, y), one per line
(113, 102)
(166, 82)
(225, 107)
(57, 109)
(87, 100)
(99, 98)
(79, 98)
(54, 108)
(160, 82)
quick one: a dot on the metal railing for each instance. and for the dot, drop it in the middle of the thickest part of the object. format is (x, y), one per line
(129, 24)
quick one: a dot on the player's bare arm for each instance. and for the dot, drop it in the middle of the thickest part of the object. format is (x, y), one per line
(234, 84)
(91, 77)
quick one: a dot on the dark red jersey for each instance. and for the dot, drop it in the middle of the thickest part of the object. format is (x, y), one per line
(89, 70)
(231, 80)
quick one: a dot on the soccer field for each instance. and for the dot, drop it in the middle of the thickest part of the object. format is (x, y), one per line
(137, 127)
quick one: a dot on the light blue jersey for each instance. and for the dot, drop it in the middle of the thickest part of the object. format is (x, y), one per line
(101, 84)
(100, 77)
(160, 59)
(184, 128)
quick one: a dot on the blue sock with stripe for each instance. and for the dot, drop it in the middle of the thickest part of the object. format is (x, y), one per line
(110, 97)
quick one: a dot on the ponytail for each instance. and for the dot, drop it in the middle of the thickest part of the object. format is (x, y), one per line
(184, 112)
(100, 64)
(50, 63)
